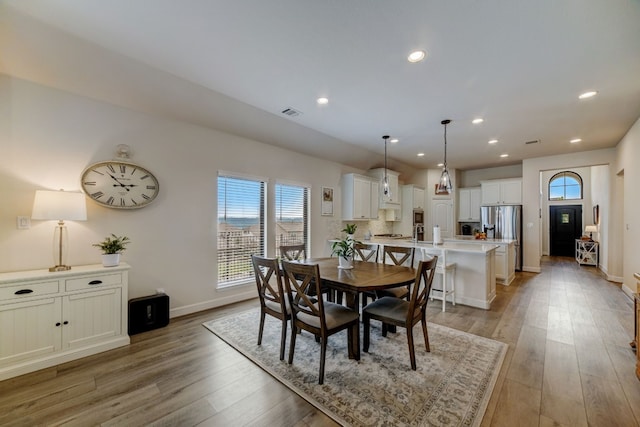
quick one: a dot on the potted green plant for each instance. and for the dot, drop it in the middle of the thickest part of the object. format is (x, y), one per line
(112, 246)
(350, 229)
(344, 248)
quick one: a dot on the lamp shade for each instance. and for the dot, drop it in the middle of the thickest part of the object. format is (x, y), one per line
(591, 229)
(59, 205)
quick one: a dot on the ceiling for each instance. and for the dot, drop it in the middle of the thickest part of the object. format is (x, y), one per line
(236, 65)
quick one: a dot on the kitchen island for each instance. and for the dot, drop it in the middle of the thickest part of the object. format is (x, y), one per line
(506, 254)
(475, 268)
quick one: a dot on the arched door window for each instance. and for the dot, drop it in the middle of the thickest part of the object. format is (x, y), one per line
(565, 185)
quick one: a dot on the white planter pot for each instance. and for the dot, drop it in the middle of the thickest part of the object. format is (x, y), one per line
(110, 260)
(345, 263)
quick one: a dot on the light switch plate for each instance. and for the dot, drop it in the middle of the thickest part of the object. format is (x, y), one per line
(23, 222)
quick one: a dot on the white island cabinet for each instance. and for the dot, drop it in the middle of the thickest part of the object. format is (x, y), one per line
(48, 318)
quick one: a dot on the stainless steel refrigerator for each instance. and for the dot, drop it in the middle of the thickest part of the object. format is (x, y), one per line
(504, 222)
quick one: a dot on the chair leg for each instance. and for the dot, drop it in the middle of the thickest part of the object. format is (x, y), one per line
(262, 316)
(412, 353)
(355, 340)
(453, 286)
(385, 328)
(283, 338)
(444, 289)
(366, 324)
(292, 344)
(323, 353)
(424, 331)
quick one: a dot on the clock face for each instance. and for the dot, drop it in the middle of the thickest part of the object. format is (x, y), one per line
(119, 185)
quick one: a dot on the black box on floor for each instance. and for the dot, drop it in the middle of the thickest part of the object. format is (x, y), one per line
(147, 313)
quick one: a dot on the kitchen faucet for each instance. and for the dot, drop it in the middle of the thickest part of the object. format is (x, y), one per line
(418, 228)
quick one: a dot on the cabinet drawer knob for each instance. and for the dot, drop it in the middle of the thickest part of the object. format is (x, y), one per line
(95, 282)
(23, 291)
(58, 324)
(66, 322)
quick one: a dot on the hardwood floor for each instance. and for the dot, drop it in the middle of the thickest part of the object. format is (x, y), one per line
(569, 364)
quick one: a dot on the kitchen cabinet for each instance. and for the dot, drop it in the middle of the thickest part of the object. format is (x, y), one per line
(469, 204)
(50, 318)
(359, 197)
(502, 192)
(412, 197)
(391, 201)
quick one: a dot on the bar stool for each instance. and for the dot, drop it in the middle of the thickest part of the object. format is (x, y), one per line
(447, 270)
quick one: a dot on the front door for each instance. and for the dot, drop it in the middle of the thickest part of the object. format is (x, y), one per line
(565, 227)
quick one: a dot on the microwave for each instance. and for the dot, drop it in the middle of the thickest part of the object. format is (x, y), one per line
(418, 216)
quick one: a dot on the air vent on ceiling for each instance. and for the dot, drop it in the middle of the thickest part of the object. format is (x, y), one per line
(534, 141)
(291, 112)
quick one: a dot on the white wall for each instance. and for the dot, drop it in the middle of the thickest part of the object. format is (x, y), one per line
(628, 180)
(472, 177)
(48, 137)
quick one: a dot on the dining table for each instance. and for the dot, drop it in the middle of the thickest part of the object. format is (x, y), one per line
(364, 276)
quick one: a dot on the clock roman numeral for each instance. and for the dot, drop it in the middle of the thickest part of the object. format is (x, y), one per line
(110, 200)
(134, 171)
(98, 172)
(144, 196)
(151, 187)
(111, 168)
(133, 201)
(144, 177)
(89, 183)
(123, 168)
(97, 194)
(122, 202)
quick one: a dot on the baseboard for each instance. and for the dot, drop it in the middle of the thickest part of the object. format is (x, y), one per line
(207, 305)
(531, 269)
(628, 291)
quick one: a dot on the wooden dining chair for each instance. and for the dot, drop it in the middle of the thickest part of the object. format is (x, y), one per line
(321, 318)
(402, 313)
(293, 252)
(369, 253)
(398, 255)
(273, 300)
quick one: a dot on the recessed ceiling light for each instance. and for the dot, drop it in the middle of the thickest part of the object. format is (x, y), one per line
(493, 141)
(504, 155)
(420, 154)
(417, 56)
(440, 165)
(394, 140)
(589, 94)
(477, 121)
(322, 101)
(575, 140)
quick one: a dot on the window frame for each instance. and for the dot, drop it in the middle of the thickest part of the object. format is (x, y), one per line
(564, 175)
(306, 188)
(243, 258)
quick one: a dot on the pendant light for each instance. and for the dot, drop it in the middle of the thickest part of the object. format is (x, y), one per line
(444, 185)
(386, 191)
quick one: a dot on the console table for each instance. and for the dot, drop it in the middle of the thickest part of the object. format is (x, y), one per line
(587, 252)
(50, 318)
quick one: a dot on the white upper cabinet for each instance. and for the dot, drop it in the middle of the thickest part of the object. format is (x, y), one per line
(418, 198)
(358, 194)
(392, 201)
(469, 204)
(502, 192)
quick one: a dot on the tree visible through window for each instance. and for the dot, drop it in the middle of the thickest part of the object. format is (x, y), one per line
(241, 227)
(292, 205)
(565, 186)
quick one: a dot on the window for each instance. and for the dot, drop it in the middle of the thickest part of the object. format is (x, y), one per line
(241, 227)
(565, 186)
(292, 205)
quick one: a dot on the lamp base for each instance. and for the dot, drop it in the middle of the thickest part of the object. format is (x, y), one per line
(60, 268)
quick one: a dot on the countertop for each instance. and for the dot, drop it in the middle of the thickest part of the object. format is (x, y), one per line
(449, 245)
(474, 240)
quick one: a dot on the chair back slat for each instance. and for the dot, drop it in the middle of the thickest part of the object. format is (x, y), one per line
(302, 284)
(366, 252)
(293, 252)
(268, 279)
(421, 288)
(398, 255)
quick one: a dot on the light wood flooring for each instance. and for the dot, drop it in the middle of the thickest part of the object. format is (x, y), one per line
(569, 364)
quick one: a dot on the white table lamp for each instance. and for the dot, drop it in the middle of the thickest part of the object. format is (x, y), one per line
(590, 229)
(60, 206)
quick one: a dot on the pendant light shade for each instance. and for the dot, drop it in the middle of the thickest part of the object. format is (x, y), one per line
(386, 191)
(444, 184)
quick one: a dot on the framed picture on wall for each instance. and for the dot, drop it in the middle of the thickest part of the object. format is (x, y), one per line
(596, 214)
(327, 201)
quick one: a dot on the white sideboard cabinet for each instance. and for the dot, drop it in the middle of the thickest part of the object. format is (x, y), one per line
(48, 318)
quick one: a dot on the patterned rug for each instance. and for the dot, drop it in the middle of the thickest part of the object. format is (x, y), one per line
(451, 387)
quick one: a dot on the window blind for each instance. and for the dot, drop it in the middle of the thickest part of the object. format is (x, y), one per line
(292, 225)
(241, 227)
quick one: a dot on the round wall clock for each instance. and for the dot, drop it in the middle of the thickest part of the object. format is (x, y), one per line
(118, 184)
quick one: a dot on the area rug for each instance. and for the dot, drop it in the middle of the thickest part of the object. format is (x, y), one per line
(451, 387)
